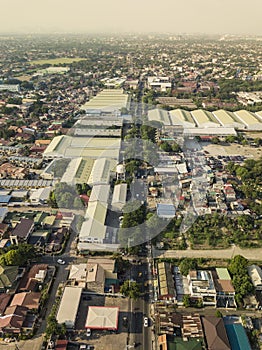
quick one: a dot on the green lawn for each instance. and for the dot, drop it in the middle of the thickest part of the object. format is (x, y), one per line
(59, 60)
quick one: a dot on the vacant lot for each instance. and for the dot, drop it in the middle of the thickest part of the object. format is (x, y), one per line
(61, 60)
(232, 149)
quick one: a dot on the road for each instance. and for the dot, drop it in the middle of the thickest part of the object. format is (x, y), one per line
(250, 254)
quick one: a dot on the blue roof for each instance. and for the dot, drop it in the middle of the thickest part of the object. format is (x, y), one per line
(165, 210)
(5, 199)
(237, 337)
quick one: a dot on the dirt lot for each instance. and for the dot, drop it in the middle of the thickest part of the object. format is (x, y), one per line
(233, 149)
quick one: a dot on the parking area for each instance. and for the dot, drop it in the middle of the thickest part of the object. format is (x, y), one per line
(102, 339)
(233, 150)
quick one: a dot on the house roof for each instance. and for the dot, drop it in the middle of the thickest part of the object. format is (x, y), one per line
(237, 337)
(215, 333)
(4, 300)
(14, 317)
(23, 228)
(27, 299)
(8, 275)
(102, 317)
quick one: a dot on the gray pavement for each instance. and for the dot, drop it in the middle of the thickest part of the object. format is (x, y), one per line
(250, 254)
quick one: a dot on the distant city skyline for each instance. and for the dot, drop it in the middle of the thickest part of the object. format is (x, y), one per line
(80, 16)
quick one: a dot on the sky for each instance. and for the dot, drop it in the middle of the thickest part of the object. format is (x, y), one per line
(120, 16)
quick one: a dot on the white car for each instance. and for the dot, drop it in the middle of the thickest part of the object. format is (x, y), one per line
(88, 332)
(61, 262)
(145, 322)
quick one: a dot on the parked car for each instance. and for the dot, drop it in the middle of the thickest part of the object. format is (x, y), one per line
(145, 322)
(61, 262)
(88, 332)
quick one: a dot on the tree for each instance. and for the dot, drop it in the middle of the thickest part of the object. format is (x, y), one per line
(186, 300)
(238, 265)
(186, 265)
(130, 289)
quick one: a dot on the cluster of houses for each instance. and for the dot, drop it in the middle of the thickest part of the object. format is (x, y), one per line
(21, 292)
(192, 331)
(43, 230)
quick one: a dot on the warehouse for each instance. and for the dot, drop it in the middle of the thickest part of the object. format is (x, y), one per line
(102, 318)
(181, 117)
(108, 100)
(204, 119)
(228, 119)
(92, 147)
(92, 231)
(250, 120)
(259, 115)
(101, 171)
(159, 115)
(97, 211)
(78, 171)
(210, 132)
(119, 197)
(68, 308)
(100, 193)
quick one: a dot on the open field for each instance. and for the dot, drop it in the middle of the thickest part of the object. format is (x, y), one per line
(232, 149)
(59, 60)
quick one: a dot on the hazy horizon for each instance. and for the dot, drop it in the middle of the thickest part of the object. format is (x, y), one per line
(202, 16)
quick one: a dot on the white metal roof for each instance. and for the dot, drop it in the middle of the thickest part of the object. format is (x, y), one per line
(249, 119)
(182, 117)
(69, 306)
(119, 194)
(101, 171)
(92, 229)
(204, 119)
(101, 317)
(159, 115)
(228, 119)
(100, 193)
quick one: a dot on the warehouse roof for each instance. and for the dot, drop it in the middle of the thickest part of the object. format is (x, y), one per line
(248, 118)
(97, 211)
(91, 229)
(119, 194)
(101, 317)
(100, 193)
(210, 131)
(93, 147)
(227, 119)
(204, 118)
(107, 99)
(69, 306)
(159, 115)
(181, 117)
(237, 337)
(101, 170)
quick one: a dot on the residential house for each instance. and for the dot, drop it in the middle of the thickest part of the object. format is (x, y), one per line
(22, 231)
(201, 287)
(13, 320)
(255, 273)
(192, 327)
(30, 300)
(166, 287)
(215, 333)
(33, 278)
(224, 288)
(4, 302)
(8, 278)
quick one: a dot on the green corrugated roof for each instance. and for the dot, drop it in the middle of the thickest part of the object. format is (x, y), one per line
(237, 337)
(222, 273)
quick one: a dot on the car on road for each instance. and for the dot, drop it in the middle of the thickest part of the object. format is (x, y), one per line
(61, 262)
(88, 332)
(145, 322)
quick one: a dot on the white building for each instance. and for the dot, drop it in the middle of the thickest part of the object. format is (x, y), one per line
(250, 120)
(182, 118)
(204, 119)
(119, 197)
(40, 196)
(255, 274)
(159, 115)
(68, 307)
